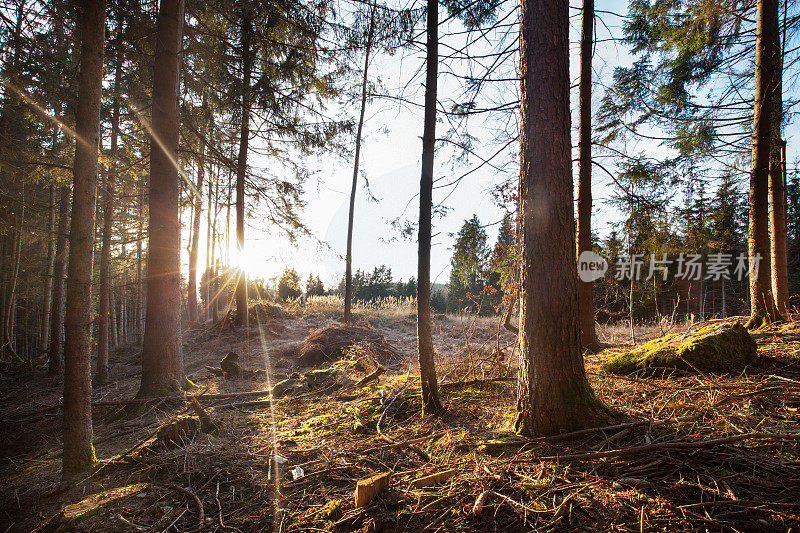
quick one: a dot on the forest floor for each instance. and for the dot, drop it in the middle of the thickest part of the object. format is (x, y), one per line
(691, 452)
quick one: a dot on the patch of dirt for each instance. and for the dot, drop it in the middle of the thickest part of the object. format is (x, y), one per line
(698, 452)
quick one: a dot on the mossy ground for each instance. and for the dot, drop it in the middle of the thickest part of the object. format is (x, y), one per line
(333, 436)
(720, 347)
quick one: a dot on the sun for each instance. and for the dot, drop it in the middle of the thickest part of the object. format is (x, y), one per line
(250, 261)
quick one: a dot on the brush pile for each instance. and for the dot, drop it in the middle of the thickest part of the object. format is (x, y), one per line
(332, 343)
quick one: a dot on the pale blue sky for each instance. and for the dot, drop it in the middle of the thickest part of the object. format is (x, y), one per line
(391, 161)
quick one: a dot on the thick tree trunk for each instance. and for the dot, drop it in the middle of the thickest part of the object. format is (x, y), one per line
(554, 395)
(162, 357)
(78, 451)
(762, 303)
(241, 171)
(427, 365)
(348, 260)
(195, 246)
(584, 239)
(44, 331)
(777, 193)
(59, 267)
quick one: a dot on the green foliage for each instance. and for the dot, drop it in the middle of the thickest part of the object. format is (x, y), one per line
(314, 286)
(504, 262)
(378, 285)
(289, 285)
(468, 265)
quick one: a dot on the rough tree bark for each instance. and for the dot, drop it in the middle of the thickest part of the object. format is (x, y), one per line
(162, 357)
(777, 191)
(348, 259)
(77, 424)
(584, 238)
(762, 303)
(427, 365)
(241, 168)
(554, 395)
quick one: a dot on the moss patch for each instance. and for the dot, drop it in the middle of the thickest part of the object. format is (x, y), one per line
(714, 348)
(92, 505)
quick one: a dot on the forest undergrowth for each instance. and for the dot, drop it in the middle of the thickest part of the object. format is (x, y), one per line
(688, 452)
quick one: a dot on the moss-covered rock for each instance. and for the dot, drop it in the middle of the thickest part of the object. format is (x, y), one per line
(720, 347)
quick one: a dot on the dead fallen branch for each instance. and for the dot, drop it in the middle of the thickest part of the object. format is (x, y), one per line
(200, 512)
(372, 376)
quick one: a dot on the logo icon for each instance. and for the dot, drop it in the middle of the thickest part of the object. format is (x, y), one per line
(591, 266)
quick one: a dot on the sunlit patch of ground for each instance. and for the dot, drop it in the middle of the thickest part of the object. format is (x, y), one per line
(662, 468)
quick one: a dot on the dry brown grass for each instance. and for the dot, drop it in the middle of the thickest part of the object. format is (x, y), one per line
(687, 480)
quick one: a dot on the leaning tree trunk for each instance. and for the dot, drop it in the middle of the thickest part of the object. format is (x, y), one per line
(348, 259)
(554, 395)
(777, 192)
(78, 451)
(427, 365)
(584, 238)
(57, 302)
(762, 303)
(162, 357)
(241, 171)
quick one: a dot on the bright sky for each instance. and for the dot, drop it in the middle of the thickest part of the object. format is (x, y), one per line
(391, 154)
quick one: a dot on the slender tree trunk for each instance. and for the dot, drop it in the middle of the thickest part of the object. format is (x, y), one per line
(104, 298)
(585, 301)
(162, 357)
(59, 267)
(777, 193)
(9, 183)
(16, 255)
(348, 261)
(209, 247)
(762, 303)
(427, 365)
(554, 395)
(241, 171)
(44, 331)
(123, 308)
(139, 278)
(78, 451)
(195, 246)
(113, 317)
(105, 309)
(215, 242)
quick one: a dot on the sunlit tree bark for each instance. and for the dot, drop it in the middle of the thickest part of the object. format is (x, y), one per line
(77, 423)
